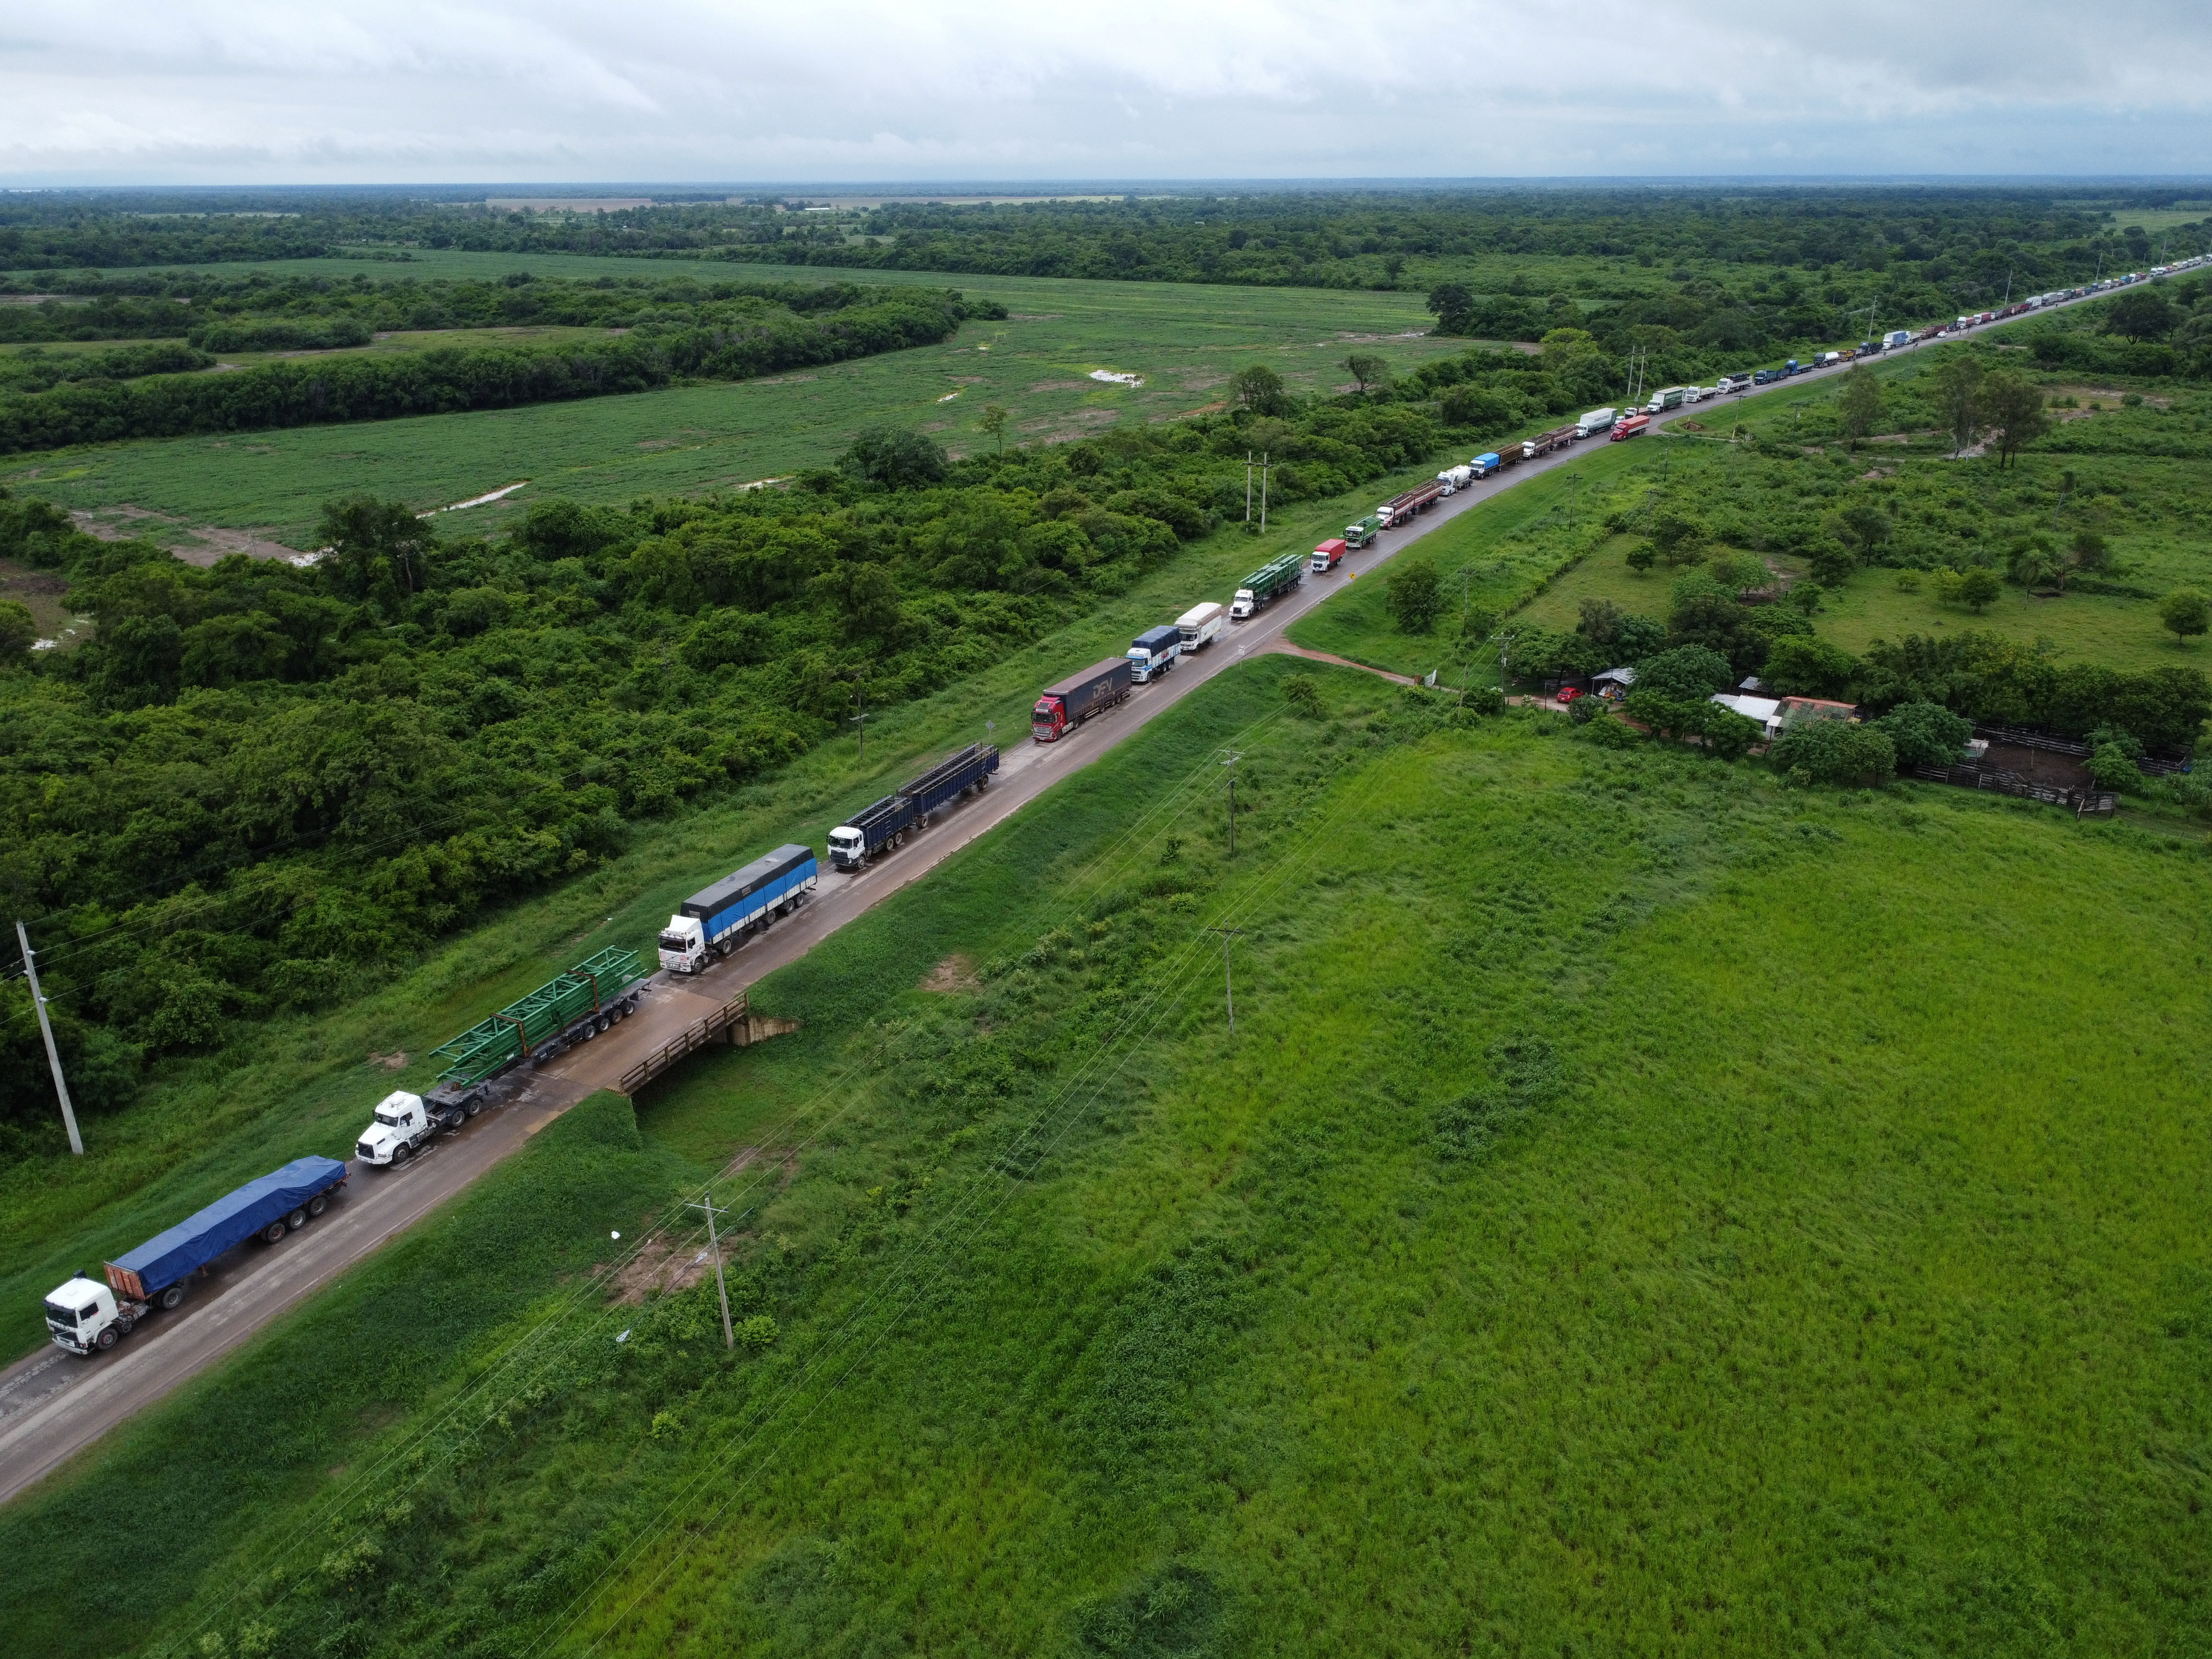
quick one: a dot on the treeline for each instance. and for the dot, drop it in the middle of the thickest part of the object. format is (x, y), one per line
(222, 311)
(261, 783)
(761, 339)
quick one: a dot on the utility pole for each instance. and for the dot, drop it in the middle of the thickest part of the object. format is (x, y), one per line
(1229, 760)
(859, 715)
(714, 1243)
(1248, 486)
(46, 1030)
(1228, 975)
(1263, 492)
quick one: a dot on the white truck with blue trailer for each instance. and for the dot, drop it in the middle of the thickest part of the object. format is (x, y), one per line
(883, 824)
(86, 1316)
(1153, 651)
(714, 922)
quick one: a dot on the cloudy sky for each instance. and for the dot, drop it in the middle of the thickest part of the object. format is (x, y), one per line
(254, 91)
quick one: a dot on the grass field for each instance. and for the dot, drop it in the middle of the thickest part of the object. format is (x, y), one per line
(1642, 1210)
(1184, 341)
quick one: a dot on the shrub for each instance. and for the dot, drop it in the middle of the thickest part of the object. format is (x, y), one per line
(1925, 734)
(1486, 700)
(1728, 736)
(2113, 768)
(1415, 595)
(1686, 673)
(1302, 693)
(1607, 732)
(1834, 751)
(1800, 667)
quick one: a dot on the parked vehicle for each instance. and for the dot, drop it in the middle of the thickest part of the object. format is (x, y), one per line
(883, 825)
(86, 1317)
(1545, 442)
(1153, 651)
(714, 920)
(1060, 708)
(570, 1008)
(1730, 384)
(1264, 584)
(1356, 536)
(1633, 427)
(1597, 421)
(1897, 337)
(1201, 625)
(1327, 556)
(1666, 397)
(1486, 464)
(1399, 509)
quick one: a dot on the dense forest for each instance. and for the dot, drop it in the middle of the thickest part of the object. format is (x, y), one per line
(263, 782)
(664, 332)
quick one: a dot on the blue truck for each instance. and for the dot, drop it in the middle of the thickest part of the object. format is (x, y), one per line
(715, 921)
(86, 1316)
(883, 824)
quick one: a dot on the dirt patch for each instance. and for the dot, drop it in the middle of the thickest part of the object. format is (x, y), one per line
(1076, 424)
(1034, 316)
(1213, 408)
(390, 1062)
(196, 544)
(954, 974)
(1061, 386)
(2037, 766)
(967, 379)
(656, 443)
(661, 1267)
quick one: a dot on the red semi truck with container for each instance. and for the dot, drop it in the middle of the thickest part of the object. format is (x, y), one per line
(1060, 708)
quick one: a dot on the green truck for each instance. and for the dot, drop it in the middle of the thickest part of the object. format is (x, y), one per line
(1262, 586)
(1356, 536)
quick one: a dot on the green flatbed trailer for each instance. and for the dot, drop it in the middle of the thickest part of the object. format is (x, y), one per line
(572, 1007)
(1277, 576)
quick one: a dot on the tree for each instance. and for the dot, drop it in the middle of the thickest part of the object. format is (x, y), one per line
(18, 630)
(993, 424)
(1858, 407)
(1688, 673)
(1926, 734)
(2185, 612)
(1453, 305)
(1679, 537)
(2088, 551)
(1728, 736)
(1302, 693)
(896, 458)
(1601, 620)
(1367, 370)
(2141, 314)
(1979, 589)
(1834, 751)
(1259, 389)
(1959, 395)
(1415, 593)
(2012, 410)
(2035, 564)
(1863, 527)
(378, 551)
(1800, 667)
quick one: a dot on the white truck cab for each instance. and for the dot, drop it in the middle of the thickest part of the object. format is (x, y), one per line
(402, 1124)
(84, 1316)
(684, 941)
(1243, 605)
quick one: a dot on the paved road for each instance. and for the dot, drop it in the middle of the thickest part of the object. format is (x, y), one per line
(52, 1405)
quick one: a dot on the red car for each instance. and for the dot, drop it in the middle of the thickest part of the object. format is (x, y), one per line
(1568, 694)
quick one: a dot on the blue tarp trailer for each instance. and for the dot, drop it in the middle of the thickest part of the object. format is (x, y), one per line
(256, 1207)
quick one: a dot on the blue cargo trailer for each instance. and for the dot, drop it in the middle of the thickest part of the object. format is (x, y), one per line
(715, 921)
(85, 1315)
(952, 777)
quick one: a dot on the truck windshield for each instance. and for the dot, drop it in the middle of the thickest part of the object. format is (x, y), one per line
(390, 1120)
(675, 942)
(61, 1315)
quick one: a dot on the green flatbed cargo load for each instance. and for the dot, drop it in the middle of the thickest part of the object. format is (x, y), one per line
(547, 1017)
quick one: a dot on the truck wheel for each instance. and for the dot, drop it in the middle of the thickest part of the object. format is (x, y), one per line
(105, 1339)
(171, 1296)
(123, 1324)
(318, 1203)
(401, 1154)
(274, 1231)
(296, 1220)
(475, 1105)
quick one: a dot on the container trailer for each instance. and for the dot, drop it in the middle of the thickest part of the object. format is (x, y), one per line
(1060, 708)
(1201, 625)
(1597, 421)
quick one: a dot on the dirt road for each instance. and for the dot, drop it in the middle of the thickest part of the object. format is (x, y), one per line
(53, 1406)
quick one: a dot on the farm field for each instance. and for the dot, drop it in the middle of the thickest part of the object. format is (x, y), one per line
(1683, 1237)
(1183, 342)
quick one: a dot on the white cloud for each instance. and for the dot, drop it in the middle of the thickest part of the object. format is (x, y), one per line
(194, 90)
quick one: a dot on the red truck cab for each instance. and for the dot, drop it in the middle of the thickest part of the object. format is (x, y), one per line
(1633, 427)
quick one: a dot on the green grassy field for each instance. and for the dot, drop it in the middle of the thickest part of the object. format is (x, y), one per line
(1184, 341)
(1642, 1210)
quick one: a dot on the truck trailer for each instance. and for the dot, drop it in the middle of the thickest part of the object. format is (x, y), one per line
(1153, 651)
(86, 1316)
(878, 827)
(1597, 421)
(1545, 442)
(1060, 708)
(1399, 509)
(960, 773)
(1201, 625)
(574, 1008)
(1271, 580)
(715, 921)
(1633, 427)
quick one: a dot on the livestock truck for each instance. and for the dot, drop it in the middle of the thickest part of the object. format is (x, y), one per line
(1153, 651)
(1270, 580)
(1060, 708)
(714, 920)
(86, 1316)
(883, 825)
(1201, 625)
